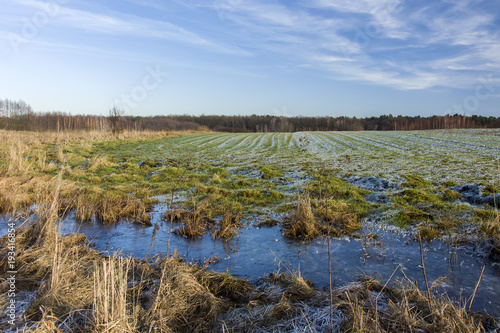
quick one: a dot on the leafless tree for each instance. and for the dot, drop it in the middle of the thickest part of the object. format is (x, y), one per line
(116, 119)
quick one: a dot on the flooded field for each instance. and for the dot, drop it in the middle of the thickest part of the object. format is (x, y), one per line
(256, 252)
(255, 203)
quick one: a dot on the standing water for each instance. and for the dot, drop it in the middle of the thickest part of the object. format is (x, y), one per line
(256, 252)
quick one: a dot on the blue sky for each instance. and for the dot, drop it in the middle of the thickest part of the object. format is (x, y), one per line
(316, 57)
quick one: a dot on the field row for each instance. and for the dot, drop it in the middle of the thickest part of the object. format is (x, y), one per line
(467, 156)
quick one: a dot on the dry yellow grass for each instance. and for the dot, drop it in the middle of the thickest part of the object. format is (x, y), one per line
(227, 227)
(302, 223)
(80, 290)
(405, 308)
(34, 139)
(27, 178)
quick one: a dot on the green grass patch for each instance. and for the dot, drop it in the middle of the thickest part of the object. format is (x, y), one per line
(410, 215)
(416, 196)
(270, 173)
(413, 181)
(450, 195)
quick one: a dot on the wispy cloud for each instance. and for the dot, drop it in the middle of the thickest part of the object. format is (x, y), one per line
(121, 24)
(386, 42)
(401, 44)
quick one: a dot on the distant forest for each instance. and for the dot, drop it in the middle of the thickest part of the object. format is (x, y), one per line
(18, 115)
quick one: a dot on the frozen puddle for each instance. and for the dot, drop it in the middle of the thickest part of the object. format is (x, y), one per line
(258, 252)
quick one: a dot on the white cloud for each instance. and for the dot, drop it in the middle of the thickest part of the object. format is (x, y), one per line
(430, 45)
(406, 45)
(129, 25)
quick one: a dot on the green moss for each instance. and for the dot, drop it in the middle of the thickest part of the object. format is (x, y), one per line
(451, 195)
(335, 188)
(413, 181)
(410, 215)
(416, 196)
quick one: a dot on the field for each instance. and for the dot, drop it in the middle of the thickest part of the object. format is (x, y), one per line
(308, 191)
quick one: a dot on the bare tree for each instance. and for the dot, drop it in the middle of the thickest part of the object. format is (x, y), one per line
(116, 119)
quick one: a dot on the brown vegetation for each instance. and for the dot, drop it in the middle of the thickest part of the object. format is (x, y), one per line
(331, 217)
(377, 308)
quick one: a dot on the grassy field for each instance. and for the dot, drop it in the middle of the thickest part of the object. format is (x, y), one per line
(429, 183)
(220, 180)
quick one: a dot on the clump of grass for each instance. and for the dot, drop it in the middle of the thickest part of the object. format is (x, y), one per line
(302, 222)
(102, 165)
(108, 207)
(417, 196)
(251, 193)
(297, 289)
(216, 179)
(181, 302)
(267, 222)
(326, 185)
(202, 189)
(449, 183)
(451, 195)
(489, 220)
(221, 172)
(274, 195)
(405, 308)
(130, 167)
(149, 163)
(110, 304)
(489, 189)
(342, 217)
(283, 310)
(194, 222)
(270, 173)
(112, 209)
(227, 227)
(331, 217)
(429, 232)
(227, 286)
